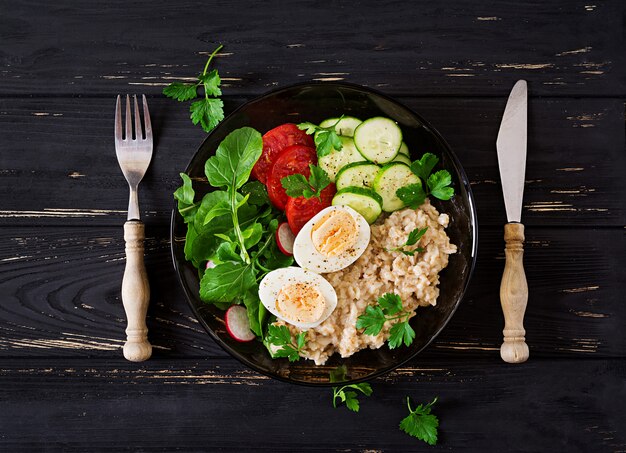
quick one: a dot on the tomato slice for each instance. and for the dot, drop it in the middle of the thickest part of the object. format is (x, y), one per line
(300, 210)
(274, 141)
(293, 159)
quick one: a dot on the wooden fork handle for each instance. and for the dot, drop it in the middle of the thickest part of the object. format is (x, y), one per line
(135, 294)
(514, 296)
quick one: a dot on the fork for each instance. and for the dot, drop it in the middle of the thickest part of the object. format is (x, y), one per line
(134, 152)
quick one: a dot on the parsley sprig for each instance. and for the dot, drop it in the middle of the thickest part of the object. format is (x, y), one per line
(420, 423)
(343, 394)
(209, 111)
(436, 184)
(412, 239)
(389, 308)
(298, 186)
(325, 138)
(281, 336)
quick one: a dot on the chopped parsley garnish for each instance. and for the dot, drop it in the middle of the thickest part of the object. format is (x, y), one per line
(325, 138)
(389, 308)
(420, 423)
(298, 186)
(436, 184)
(207, 111)
(412, 239)
(346, 393)
(281, 336)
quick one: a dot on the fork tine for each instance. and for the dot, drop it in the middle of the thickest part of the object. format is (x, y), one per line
(138, 133)
(146, 119)
(118, 119)
(128, 134)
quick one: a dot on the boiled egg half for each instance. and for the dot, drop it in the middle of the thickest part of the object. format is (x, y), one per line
(298, 297)
(332, 240)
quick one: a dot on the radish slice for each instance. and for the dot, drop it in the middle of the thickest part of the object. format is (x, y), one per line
(238, 325)
(210, 264)
(285, 238)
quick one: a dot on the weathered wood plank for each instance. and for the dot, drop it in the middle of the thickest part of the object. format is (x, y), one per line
(66, 145)
(61, 296)
(215, 405)
(564, 47)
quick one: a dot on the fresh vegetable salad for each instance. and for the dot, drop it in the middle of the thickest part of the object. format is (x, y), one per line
(292, 205)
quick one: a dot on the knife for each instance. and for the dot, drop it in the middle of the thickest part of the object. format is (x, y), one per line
(511, 146)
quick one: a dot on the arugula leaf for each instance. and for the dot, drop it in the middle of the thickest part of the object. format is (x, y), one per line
(372, 320)
(207, 112)
(420, 423)
(185, 195)
(281, 336)
(257, 193)
(298, 186)
(252, 235)
(388, 308)
(439, 183)
(325, 138)
(226, 282)
(226, 252)
(181, 91)
(256, 310)
(412, 239)
(235, 156)
(342, 393)
(425, 165)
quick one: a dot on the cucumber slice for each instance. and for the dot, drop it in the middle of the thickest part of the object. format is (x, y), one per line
(345, 126)
(404, 150)
(389, 179)
(336, 160)
(364, 201)
(378, 139)
(356, 174)
(402, 158)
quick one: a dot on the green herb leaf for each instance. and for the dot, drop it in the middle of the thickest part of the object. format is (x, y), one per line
(234, 158)
(412, 195)
(252, 235)
(400, 333)
(298, 186)
(278, 335)
(185, 195)
(181, 91)
(415, 236)
(325, 138)
(207, 112)
(372, 320)
(211, 83)
(226, 282)
(352, 403)
(425, 165)
(439, 183)
(219, 209)
(226, 252)
(338, 374)
(257, 193)
(420, 423)
(254, 307)
(390, 303)
(281, 336)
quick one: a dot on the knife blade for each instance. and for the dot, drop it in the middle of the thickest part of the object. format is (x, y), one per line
(511, 147)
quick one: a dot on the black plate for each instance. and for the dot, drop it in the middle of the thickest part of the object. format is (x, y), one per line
(315, 102)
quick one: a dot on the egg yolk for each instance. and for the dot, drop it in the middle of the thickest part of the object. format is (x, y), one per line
(334, 233)
(300, 302)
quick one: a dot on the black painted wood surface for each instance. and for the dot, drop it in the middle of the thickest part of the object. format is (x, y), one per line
(64, 385)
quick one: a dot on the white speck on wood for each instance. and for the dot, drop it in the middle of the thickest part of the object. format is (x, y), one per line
(524, 65)
(329, 79)
(574, 52)
(75, 174)
(487, 18)
(582, 289)
(570, 169)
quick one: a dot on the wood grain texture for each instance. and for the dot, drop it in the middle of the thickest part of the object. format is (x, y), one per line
(564, 47)
(61, 290)
(213, 405)
(68, 144)
(514, 296)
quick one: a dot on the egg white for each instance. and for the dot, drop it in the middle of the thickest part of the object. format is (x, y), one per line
(308, 257)
(275, 280)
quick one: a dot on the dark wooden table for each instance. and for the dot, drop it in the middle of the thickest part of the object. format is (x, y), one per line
(64, 384)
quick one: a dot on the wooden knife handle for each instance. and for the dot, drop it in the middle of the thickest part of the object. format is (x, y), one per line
(514, 296)
(135, 294)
